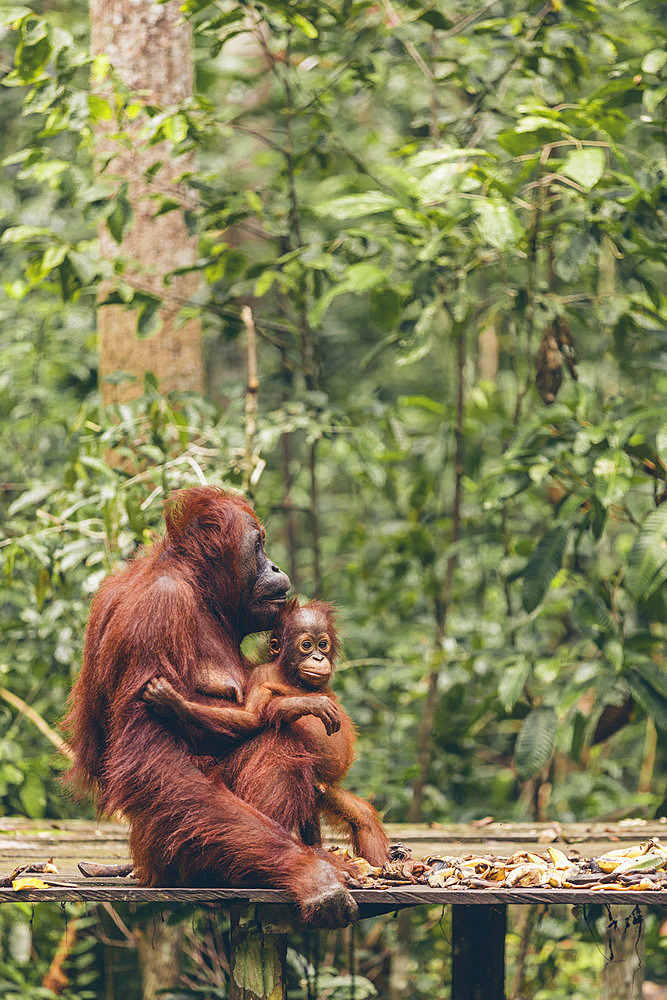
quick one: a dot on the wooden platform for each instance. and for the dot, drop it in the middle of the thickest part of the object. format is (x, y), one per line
(260, 918)
(67, 842)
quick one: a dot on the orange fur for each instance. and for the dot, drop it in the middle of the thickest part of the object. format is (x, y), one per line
(175, 606)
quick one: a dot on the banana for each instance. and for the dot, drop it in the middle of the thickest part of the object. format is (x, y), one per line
(558, 859)
(607, 863)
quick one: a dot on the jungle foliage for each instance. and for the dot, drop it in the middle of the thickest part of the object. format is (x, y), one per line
(449, 233)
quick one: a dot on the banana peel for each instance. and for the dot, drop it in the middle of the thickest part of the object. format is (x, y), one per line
(559, 860)
(527, 875)
(647, 862)
(28, 883)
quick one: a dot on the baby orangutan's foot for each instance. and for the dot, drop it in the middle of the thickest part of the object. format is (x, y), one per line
(161, 696)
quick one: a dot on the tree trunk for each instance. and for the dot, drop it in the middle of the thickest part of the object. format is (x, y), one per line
(149, 47)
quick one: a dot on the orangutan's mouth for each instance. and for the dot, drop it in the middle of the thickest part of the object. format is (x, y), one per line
(314, 675)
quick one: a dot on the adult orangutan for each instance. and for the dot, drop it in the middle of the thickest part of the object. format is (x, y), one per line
(292, 771)
(181, 605)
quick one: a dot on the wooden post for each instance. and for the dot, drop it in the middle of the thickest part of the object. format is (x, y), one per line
(257, 959)
(478, 952)
(623, 969)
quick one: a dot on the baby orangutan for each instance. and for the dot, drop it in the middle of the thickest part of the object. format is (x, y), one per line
(291, 769)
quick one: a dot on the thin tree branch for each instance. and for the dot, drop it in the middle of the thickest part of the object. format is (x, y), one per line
(248, 462)
(38, 721)
(443, 597)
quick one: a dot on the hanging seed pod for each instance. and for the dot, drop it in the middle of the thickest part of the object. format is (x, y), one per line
(549, 366)
(556, 348)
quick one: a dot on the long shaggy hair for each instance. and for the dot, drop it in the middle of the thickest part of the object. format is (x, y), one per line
(172, 608)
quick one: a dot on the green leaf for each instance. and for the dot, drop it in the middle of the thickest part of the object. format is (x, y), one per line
(99, 107)
(535, 742)
(512, 683)
(437, 183)
(301, 22)
(653, 703)
(30, 498)
(72, 554)
(647, 562)
(613, 474)
(83, 265)
(574, 256)
(436, 19)
(429, 157)
(99, 466)
(265, 281)
(498, 224)
(10, 14)
(654, 676)
(45, 172)
(120, 216)
(353, 206)
(654, 60)
(135, 515)
(424, 403)
(585, 166)
(653, 96)
(53, 256)
(543, 565)
(168, 205)
(519, 143)
(362, 277)
(175, 128)
(19, 234)
(533, 123)
(591, 614)
(33, 51)
(148, 317)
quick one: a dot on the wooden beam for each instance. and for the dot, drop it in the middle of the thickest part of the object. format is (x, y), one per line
(375, 900)
(257, 956)
(478, 952)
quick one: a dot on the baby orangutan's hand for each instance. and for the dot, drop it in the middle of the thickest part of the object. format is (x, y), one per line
(324, 708)
(161, 696)
(291, 708)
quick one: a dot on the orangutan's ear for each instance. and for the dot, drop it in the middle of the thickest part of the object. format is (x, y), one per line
(274, 647)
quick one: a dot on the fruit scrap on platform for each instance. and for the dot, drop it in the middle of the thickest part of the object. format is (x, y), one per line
(640, 867)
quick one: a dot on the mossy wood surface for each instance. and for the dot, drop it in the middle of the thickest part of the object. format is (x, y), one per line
(69, 841)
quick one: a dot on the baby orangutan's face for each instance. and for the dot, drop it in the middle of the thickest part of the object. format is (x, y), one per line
(314, 668)
(306, 655)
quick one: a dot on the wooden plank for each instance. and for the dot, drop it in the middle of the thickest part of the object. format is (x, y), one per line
(66, 841)
(633, 830)
(70, 841)
(478, 952)
(109, 890)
